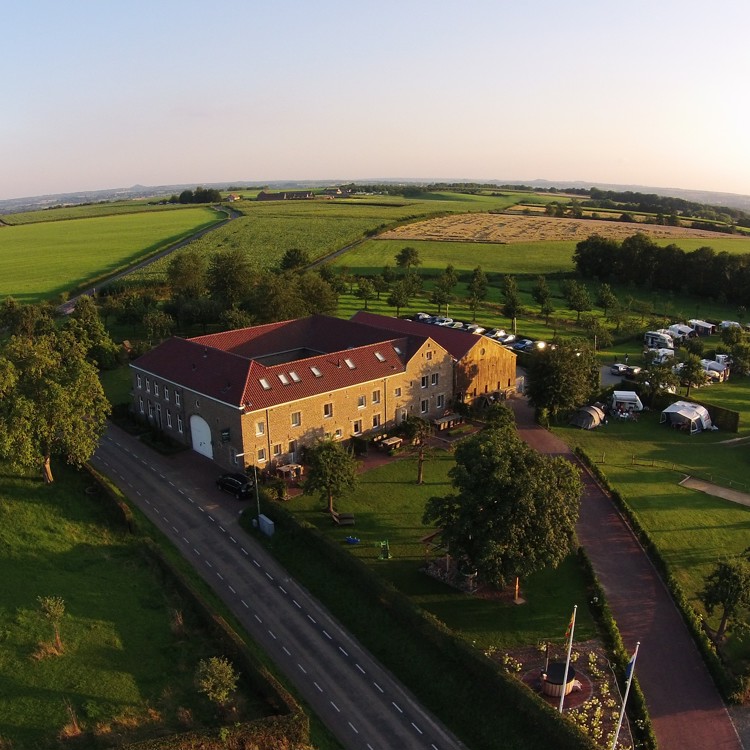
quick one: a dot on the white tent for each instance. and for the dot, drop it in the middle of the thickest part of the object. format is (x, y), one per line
(626, 401)
(694, 417)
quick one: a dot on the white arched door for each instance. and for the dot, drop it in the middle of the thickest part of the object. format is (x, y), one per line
(201, 434)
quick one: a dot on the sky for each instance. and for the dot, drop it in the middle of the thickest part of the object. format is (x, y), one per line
(99, 95)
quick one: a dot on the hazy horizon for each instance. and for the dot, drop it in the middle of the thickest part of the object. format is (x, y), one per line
(107, 96)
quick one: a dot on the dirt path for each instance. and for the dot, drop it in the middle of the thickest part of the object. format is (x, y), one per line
(686, 709)
(714, 489)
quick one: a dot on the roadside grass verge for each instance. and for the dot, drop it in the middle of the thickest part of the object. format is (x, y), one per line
(128, 662)
(42, 261)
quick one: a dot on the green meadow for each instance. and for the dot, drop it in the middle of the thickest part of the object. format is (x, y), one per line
(43, 260)
(64, 213)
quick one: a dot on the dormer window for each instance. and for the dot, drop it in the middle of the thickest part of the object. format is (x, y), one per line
(266, 385)
(397, 350)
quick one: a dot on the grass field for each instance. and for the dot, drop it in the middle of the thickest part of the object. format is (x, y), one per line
(65, 213)
(41, 261)
(389, 505)
(126, 669)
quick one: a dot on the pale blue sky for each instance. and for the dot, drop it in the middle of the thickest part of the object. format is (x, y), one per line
(110, 94)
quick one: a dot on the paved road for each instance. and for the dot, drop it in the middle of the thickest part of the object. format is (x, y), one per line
(686, 709)
(362, 704)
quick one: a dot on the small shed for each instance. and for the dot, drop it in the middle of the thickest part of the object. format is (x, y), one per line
(626, 401)
(687, 416)
(587, 417)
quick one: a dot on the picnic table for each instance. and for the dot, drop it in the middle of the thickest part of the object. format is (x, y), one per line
(391, 443)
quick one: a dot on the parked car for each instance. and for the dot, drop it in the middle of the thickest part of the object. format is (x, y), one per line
(239, 485)
(507, 338)
(522, 345)
(632, 371)
(618, 368)
(422, 317)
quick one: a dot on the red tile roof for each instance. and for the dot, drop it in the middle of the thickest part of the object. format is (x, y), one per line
(224, 366)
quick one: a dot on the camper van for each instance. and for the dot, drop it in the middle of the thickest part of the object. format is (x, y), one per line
(658, 340)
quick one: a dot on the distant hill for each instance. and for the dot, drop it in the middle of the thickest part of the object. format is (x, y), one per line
(34, 203)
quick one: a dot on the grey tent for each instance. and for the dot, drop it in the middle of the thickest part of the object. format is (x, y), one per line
(587, 417)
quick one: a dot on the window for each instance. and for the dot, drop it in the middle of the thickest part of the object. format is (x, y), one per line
(293, 375)
(338, 435)
(261, 455)
(397, 392)
(357, 427)
(350, 364)
(379, 357)
(150, 410)
(404, 415)
(434, 378)
(327, 410)
(156, 389)
(266, 385)
(376, 421)
(361, 402)
(429, 355)
(139, 381)
(424, 406)
(277, 450)
(376, 397)
(140, 403)
(315, 371)
(283, 378)
(296, 418)
(292, 446)
(166, 393)
(148, 385)
(177, 398)
(179, 424)
(440, 402)
(397, 350)
(260, 428)
(425, 381)
(169, 418)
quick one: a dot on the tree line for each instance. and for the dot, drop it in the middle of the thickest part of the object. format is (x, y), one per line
(199, 195)
(638, 260)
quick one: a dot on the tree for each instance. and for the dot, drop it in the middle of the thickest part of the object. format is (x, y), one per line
(217, 679)
(418, 432)
(235, 318)
(158, 324)
(89, 330)
(187, 274)
(606, 298)
(389, 275)
(514, 510)
(51, 402)
(511, 299)
(318, 297)
(294, 258)
(408, 257)
(540, 291)
(53, 610)
(380, 284)
(563, 377)
(450, 277)
(578, 298)
(365, 290)
(728, 587)
(399, 296)
(441, 295)
(331, 471)
(230, 276)
(477, 289)
(731, 336)
(692, 373)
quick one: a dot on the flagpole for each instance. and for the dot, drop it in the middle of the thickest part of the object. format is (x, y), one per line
(631, 670)
(567, 661)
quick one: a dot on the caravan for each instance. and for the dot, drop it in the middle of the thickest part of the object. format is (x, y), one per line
(658, 340)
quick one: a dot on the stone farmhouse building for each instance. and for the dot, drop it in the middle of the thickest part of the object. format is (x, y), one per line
(257, 395)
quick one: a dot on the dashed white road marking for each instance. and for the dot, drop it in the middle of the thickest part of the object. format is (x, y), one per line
(325, 633)
(360, 669)
(353, 727)
(271, 633)
(317, 686)
(219, 575)
(283, 590)
(257, 618)
(397, 707)
(244, 604)
(312, 619)
(378, 687)
(335, 706)
(232, 540)
(286, 651)
(244, 551)
(342, 651)
(304, 671)
(231, 589)
(222, 529)
(297, 604)
(175, 530)
(209, 564)
(196, 551)
(269, 576)
(417, 728)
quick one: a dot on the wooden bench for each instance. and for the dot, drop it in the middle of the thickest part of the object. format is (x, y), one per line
(342, 519)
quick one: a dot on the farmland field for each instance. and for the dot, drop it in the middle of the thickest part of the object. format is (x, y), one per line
(40, 261)
(506, 228)
(65, 213)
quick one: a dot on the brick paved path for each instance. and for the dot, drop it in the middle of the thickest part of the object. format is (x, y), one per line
(686, 709)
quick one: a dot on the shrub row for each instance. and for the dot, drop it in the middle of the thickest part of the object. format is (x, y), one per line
(289, 728)
(486, 690)
(732, 687)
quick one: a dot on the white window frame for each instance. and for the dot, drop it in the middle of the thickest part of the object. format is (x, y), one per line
(357, 427)
(166, 393)
(140, 404)
(139, 380)
(361, 402)
(375, 421)
(260, 429)
(328, 410)
(156, 389)
(425, 381)
(376, 396)
(440, 401)
(434, 378)
(424, 406)
(296, 419)
(397, 393)
(179, 424)
(169, 418)
(177, 398)
(261, 455)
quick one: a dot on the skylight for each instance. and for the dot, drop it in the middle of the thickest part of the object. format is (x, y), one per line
(293, 375)
(397, 350)
(349, 363)
(266, 385)
(315, 371)
(283, 378)
(380, 357)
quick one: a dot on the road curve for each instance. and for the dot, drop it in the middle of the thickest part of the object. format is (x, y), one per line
(361, 703)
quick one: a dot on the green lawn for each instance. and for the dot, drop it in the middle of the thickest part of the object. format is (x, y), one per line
(124, 662)
(40, 261)
(389, 505)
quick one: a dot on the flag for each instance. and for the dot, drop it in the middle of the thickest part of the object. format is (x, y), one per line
(629, 668)
(570, 626)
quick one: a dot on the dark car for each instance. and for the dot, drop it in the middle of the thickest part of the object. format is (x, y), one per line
(238, 485)
(632, 372)
(618, 368)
